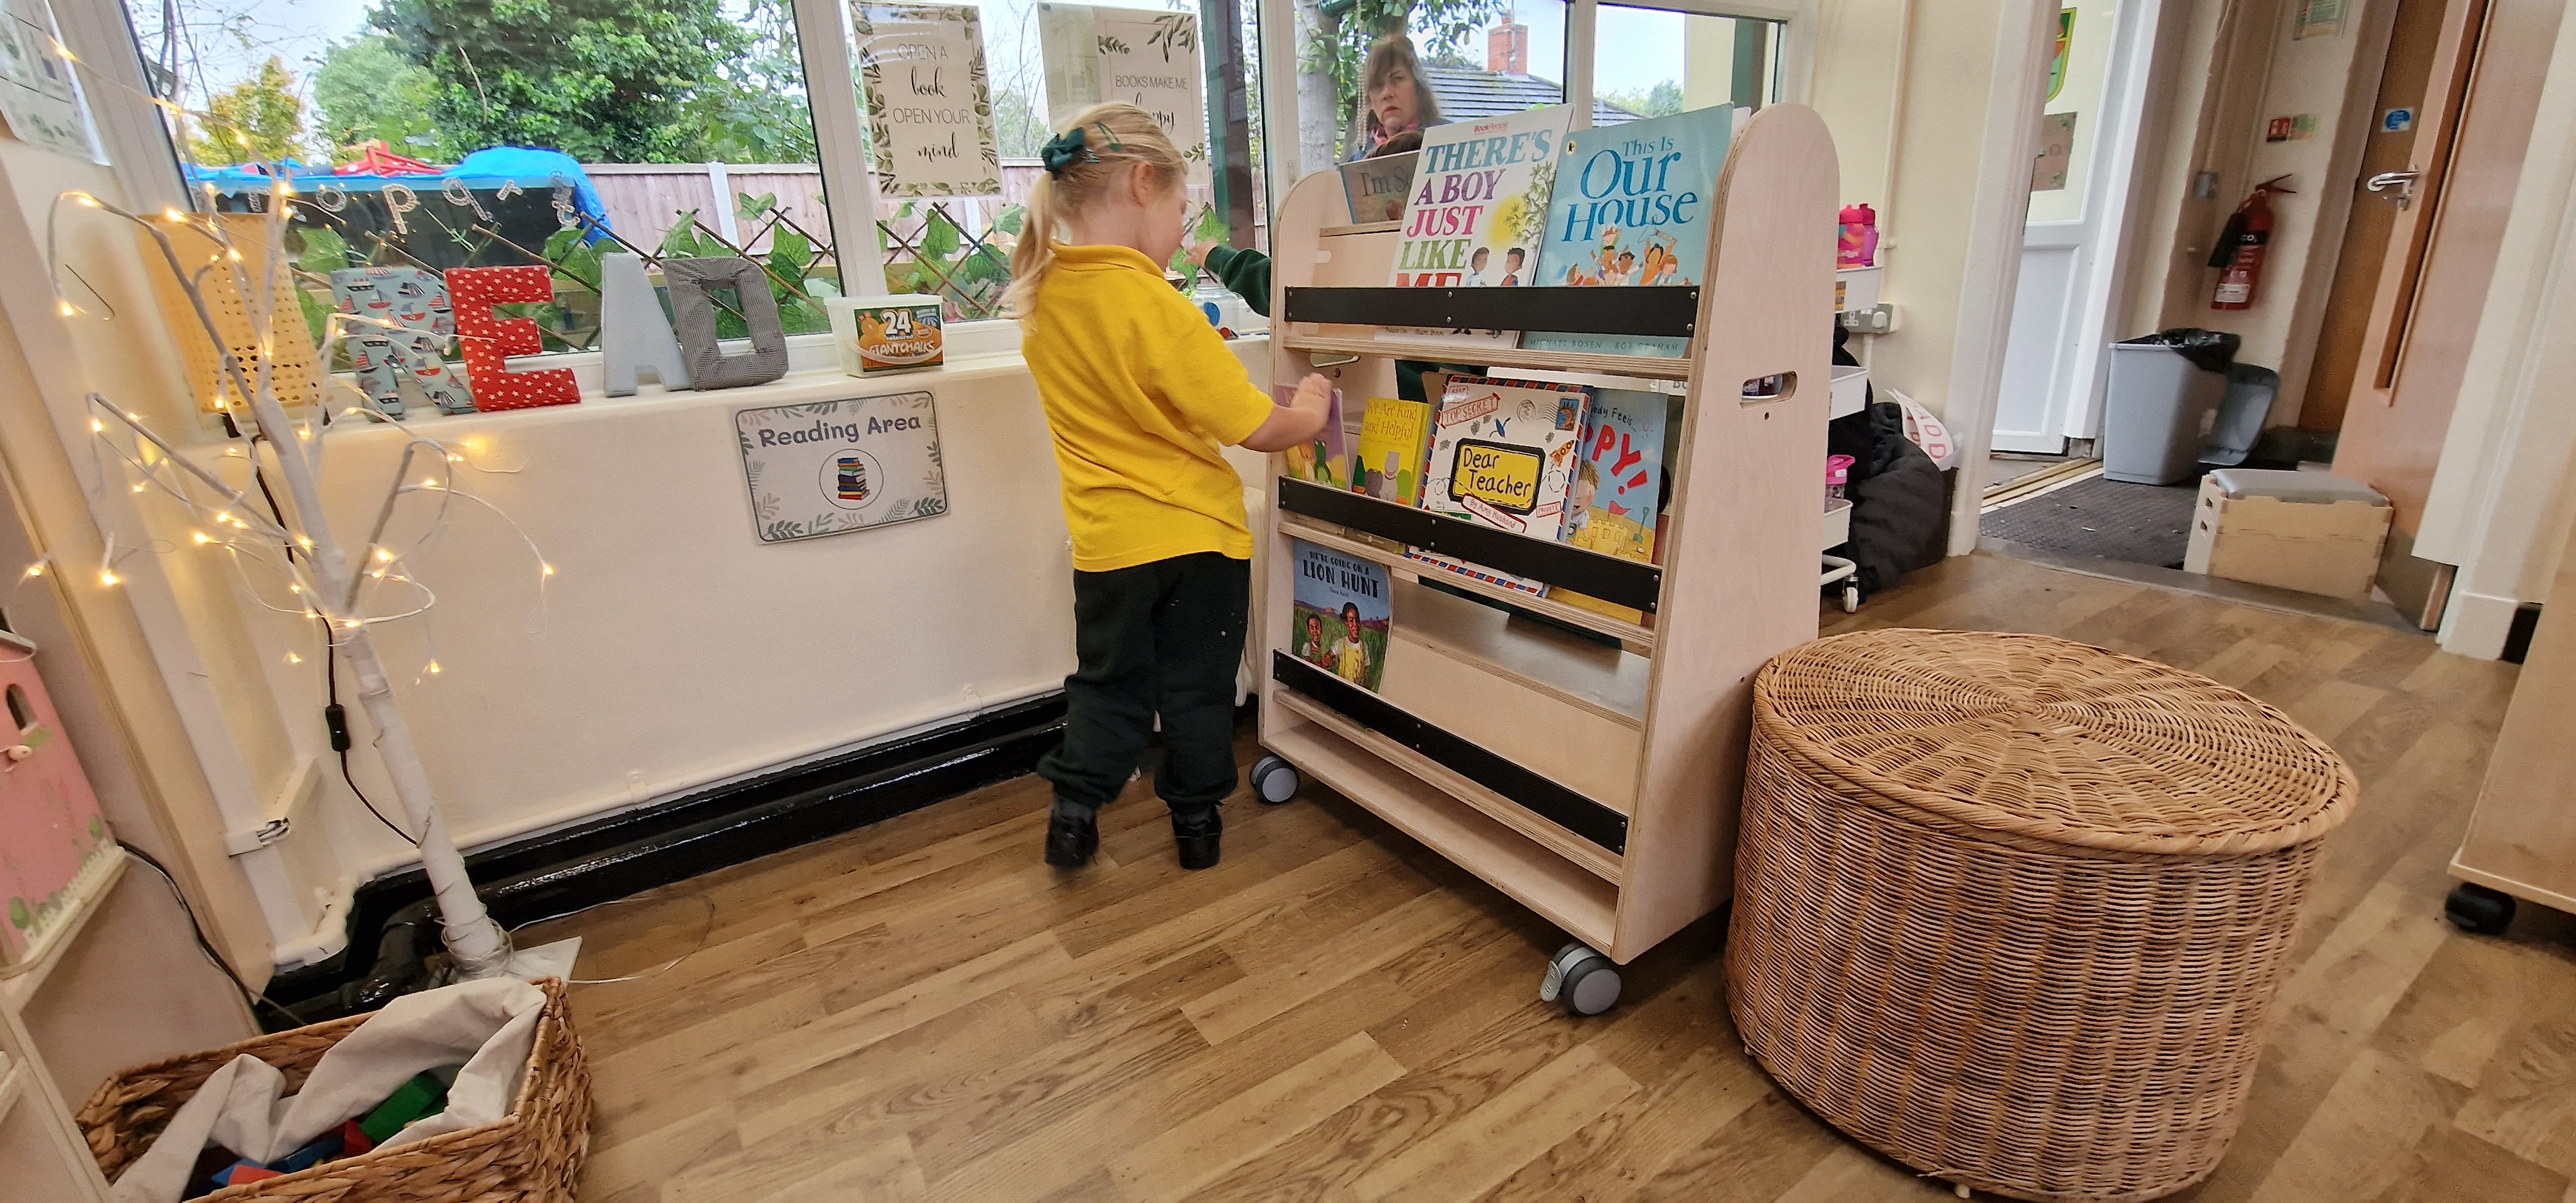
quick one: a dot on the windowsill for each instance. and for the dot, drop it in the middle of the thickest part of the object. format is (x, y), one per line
(975, 350)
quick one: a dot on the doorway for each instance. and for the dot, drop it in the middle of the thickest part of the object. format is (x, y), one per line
(2044, 485)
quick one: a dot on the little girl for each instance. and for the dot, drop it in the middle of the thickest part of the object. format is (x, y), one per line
(1141, 394)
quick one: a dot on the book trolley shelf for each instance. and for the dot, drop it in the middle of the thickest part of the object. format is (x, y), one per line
(1596, 785)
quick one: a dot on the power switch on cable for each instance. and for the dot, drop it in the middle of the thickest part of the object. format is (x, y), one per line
(336, 717)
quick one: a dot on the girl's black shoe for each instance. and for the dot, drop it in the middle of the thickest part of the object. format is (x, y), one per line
(1071, 841)
(1196, 834)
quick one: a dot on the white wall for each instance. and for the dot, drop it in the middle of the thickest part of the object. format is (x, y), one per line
(2500, 503)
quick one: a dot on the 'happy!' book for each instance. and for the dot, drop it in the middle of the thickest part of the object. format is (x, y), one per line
(1477, 209)
(1631, 207)
(1618, 486)
(1502, 455)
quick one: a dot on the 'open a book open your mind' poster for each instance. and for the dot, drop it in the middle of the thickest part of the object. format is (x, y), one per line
(930, 103)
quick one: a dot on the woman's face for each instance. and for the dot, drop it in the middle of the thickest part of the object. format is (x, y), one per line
(1393, 102)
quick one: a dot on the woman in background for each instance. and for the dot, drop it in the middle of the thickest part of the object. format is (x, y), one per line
(1399, 98)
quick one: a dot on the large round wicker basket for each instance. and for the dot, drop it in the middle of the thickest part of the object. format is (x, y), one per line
(531, 1155)
(2013, 910)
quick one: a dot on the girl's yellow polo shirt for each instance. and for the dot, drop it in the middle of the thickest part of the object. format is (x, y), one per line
(1141, 394)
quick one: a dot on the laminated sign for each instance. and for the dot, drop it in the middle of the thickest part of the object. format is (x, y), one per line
(930, 103)
(830, 467)
(1138, 56)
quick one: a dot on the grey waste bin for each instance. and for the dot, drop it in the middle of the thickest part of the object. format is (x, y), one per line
(2157, 414)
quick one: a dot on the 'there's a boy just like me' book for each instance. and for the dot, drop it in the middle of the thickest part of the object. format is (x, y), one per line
(1478, 208)
(1618, 486)
(1395, 441)
(1632, 207)
(1340, 608)
(1502, 455)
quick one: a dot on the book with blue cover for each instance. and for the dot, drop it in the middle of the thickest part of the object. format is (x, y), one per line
(1631, 207)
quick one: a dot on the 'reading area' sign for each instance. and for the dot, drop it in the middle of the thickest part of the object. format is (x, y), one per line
(831, 467)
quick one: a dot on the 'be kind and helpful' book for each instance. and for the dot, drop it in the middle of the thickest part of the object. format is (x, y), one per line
(1631, 207)
(1477, 209)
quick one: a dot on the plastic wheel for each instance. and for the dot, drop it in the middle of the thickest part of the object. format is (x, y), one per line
(1274, 780)
(1584, 981)
(2478, 909)
(1851, 599)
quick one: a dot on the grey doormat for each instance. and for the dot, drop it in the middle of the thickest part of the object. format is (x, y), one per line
(2135, 524)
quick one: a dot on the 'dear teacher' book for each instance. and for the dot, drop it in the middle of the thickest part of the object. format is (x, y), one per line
(1502, 455)
(1632, 205)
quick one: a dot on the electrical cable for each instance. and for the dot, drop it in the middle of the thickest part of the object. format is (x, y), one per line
(249, 996)
(334, 716)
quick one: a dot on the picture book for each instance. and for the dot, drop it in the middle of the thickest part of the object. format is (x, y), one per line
(1618, 484)
(1502, 455)
(1326, 459)
(1395, 440)
(1340, 608)
(1477, 209)
(1631, 207)
(1377, 187)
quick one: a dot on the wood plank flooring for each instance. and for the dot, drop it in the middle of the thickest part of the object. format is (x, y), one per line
(922, 1010)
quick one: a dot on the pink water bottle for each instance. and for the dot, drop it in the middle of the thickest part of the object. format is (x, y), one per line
(1849, 250)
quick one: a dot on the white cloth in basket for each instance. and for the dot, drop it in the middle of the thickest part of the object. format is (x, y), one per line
(488, 1026)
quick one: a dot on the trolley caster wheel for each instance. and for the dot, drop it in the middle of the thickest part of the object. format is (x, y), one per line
(1851, 599)
(2476, 908)
(1585, 981)
(1274, 780)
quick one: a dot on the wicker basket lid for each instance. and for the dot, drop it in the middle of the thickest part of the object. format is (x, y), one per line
(2053, 740)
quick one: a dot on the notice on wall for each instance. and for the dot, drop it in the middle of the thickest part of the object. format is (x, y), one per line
(930, 102)
(832, 467)
(38, 96)
(2319, 19)
(2056, 152)
(1144, 57)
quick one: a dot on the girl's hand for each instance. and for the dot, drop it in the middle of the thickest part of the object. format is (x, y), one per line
(1315, 393)
(1199, 253)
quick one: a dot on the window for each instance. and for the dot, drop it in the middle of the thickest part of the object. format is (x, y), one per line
(1476, 58)
(1654, 63)
(450, 133)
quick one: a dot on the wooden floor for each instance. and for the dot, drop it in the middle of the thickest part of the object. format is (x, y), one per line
(923, 1010)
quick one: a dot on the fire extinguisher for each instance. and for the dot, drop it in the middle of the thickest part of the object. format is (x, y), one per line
(2240, 247)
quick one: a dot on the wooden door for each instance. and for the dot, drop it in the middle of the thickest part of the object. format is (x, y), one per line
(2481, 95)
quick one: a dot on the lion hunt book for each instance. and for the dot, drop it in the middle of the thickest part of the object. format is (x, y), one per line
(1618, 486)
(1340, 608)
(1395, 441)
(1502, 455)
(1477, 210)
(1631, 207)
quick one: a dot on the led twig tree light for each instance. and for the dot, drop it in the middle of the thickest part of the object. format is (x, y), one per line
(326, 582)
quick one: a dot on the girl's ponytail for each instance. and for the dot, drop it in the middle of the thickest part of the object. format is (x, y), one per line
(1083, 159)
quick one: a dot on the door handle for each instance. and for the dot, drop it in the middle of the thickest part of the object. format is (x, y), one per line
(2402, 181)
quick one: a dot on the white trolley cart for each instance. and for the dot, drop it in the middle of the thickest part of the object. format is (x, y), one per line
(1596, 785)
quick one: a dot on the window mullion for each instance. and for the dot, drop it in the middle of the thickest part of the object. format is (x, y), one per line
(849, 185)
(1581, 22)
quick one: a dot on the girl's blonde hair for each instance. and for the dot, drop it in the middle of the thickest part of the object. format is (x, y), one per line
(1113, 136)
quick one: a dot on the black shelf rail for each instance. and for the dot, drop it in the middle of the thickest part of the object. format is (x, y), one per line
(1614, 580)
(1465, 757)
(1664, 310)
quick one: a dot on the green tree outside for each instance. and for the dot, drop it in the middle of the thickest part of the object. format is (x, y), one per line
(259, 119)
(601, 80)
(367, 91)
(1662, 100)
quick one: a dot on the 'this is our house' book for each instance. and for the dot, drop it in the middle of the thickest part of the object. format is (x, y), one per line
(1477, 209)
(1632, 206)
(1502, 455)
(1618, 486)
